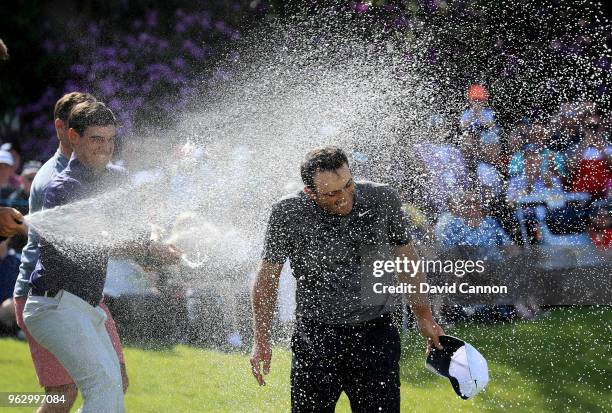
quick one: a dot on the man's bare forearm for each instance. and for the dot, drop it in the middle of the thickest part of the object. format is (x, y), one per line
(419, 302)
(263, 297)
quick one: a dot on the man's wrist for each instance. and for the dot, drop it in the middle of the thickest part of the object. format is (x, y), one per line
(422, 311)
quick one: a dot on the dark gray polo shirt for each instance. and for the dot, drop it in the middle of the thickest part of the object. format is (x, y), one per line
(331, 256)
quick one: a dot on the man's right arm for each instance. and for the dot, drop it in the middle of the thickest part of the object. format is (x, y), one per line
(263, 296)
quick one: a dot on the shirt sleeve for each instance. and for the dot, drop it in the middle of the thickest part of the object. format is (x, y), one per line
(399, 228)
(276, 241)
(29, 254)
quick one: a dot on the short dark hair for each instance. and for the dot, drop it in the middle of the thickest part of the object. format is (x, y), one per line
(87, 114)
(327, 158)
(65, 104)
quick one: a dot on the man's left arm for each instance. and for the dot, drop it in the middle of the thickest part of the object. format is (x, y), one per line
(400, 239)
(419, 302)
(148, 250)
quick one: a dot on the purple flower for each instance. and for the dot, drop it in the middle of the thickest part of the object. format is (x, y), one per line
(192, 49)
(221, 74)
(131, 41)
(99, 66)
(603, 63)
(361, 7)
(144, 37)
(40, 121)
(603, 89)
(179, 62)
(189, 20)
(430, 5)
(71, 86)
(400, 22)
(93, 30)
(115, 104)
(107, 86)
(107, 52)
(185, 91)
(205, 21)
(137, 101)
(48, 46)
(152, 18)
(78, 69)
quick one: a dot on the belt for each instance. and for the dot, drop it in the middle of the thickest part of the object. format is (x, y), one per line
(44, 293)
(384, 319)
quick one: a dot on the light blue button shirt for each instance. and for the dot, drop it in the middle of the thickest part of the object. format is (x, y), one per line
(29, 254)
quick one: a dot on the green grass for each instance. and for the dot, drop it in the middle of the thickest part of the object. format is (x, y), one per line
(559, 363)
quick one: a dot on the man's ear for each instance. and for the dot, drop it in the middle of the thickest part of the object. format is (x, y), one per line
(73, 136)
(59, 124)
(310, 193)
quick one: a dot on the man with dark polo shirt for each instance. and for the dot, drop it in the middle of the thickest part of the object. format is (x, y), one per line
(342, 341)
(62, 312)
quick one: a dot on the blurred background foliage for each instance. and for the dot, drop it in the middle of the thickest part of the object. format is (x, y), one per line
(146, 59)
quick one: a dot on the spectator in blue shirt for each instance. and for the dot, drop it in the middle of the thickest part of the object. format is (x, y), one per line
(466, 225)
(20, 199)
(9, 268)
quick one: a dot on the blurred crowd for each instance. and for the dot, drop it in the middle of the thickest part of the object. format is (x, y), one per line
(543, 185)
(15, 181)
(545, 181)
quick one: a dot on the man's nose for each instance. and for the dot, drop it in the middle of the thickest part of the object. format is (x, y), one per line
(108, 144)
(345, 194)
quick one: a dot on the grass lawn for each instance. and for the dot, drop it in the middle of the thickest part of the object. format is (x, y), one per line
(559, 363)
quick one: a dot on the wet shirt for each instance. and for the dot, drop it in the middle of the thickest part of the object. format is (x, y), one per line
(81, 275)
(330, 254)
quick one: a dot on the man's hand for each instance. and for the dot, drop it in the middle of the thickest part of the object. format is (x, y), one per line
(261, 354)
(431, 331)
(11, 222)
(164, 253)
(419, 303)
(263, 299)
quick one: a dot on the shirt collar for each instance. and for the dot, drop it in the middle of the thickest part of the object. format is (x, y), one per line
(81, 171)
(61, 159)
